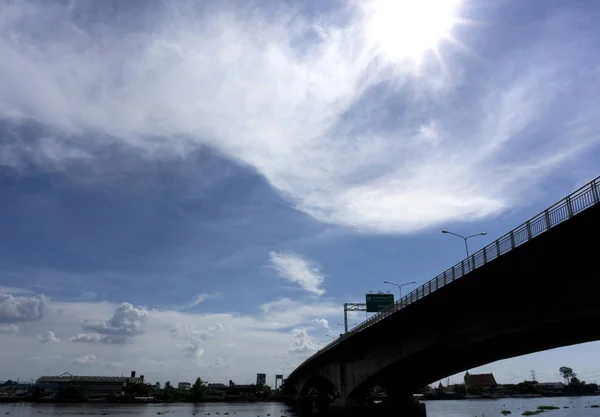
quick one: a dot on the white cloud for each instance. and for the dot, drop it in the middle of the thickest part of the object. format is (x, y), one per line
(322, 322)
(302, 343)
(299, 333)
(254, 87)
(299, 271)
(285, 313)
(260, 346)
(302, 346)
(88, 296)
(100, 338)
(88, 360)
(196, 337)
(20, 309)
(9, 328)
(125, 323)
(47, 337)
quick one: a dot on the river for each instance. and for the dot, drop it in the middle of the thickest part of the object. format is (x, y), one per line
(577, 407)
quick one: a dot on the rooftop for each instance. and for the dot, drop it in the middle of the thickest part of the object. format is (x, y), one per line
(74, 378)
(480, 380)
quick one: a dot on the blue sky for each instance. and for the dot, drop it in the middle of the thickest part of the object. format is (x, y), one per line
(192, 188)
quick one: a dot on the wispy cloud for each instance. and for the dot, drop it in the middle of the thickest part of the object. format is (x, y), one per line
(88, 360)
(9, 328)
(199, 299)
(299, 271)
(13, 290)
(294, 100)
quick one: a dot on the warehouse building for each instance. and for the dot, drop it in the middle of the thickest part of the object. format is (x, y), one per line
(93, 386)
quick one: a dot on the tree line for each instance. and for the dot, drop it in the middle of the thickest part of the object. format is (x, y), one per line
(199, 392)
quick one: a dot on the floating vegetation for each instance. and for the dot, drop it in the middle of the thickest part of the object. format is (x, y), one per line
(532, 413)
(595, 406)
(547, 407)
(505, 412)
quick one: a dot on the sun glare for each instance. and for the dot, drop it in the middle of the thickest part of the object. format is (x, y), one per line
(407, 29)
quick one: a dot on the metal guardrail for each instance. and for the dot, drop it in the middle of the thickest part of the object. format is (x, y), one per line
(583, 198)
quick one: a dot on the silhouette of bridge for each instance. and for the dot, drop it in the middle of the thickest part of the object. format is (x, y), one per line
(533, 289)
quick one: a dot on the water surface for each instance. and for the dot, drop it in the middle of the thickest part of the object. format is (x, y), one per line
(578, 407)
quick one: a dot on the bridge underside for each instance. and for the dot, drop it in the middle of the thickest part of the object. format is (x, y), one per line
(541, 295)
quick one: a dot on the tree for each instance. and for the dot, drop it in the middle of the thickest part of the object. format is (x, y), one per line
(263, 391)
(459, 389)
(198, 391)
(139, 390)
(170, 394)
(528, 387)
(567, 373)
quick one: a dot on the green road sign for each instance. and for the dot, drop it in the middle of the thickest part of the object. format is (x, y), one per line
(377, 302)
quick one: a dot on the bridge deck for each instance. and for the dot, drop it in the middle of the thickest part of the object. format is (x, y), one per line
(576, 202)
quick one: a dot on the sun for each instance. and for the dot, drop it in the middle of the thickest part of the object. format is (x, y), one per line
(407, 29)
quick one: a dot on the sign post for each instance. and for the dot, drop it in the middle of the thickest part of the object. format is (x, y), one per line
(377, 302)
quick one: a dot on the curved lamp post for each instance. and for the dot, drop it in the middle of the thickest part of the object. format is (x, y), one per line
(399, 286)
(465, 238)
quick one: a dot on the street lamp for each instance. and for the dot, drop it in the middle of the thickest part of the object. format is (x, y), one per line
(399, 286)
(465, 238)
(333, 337)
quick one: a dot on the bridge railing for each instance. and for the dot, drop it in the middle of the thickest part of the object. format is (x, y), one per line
(579, 200)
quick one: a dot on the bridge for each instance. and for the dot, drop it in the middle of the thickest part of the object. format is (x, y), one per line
(535, 288)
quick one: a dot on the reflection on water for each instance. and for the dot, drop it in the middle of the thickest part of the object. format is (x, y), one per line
(147, 410)
(577, 407)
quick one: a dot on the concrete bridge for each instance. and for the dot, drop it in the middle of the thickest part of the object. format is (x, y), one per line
(536, 288)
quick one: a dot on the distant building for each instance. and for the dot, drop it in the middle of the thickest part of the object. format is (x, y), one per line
(185, 386)
(480, 381)
(239, 392)
(217, 389)
(278, 378)
(15, 389)
(261, 379)
(93, 386)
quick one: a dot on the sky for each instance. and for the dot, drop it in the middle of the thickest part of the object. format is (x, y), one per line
(196, 188)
